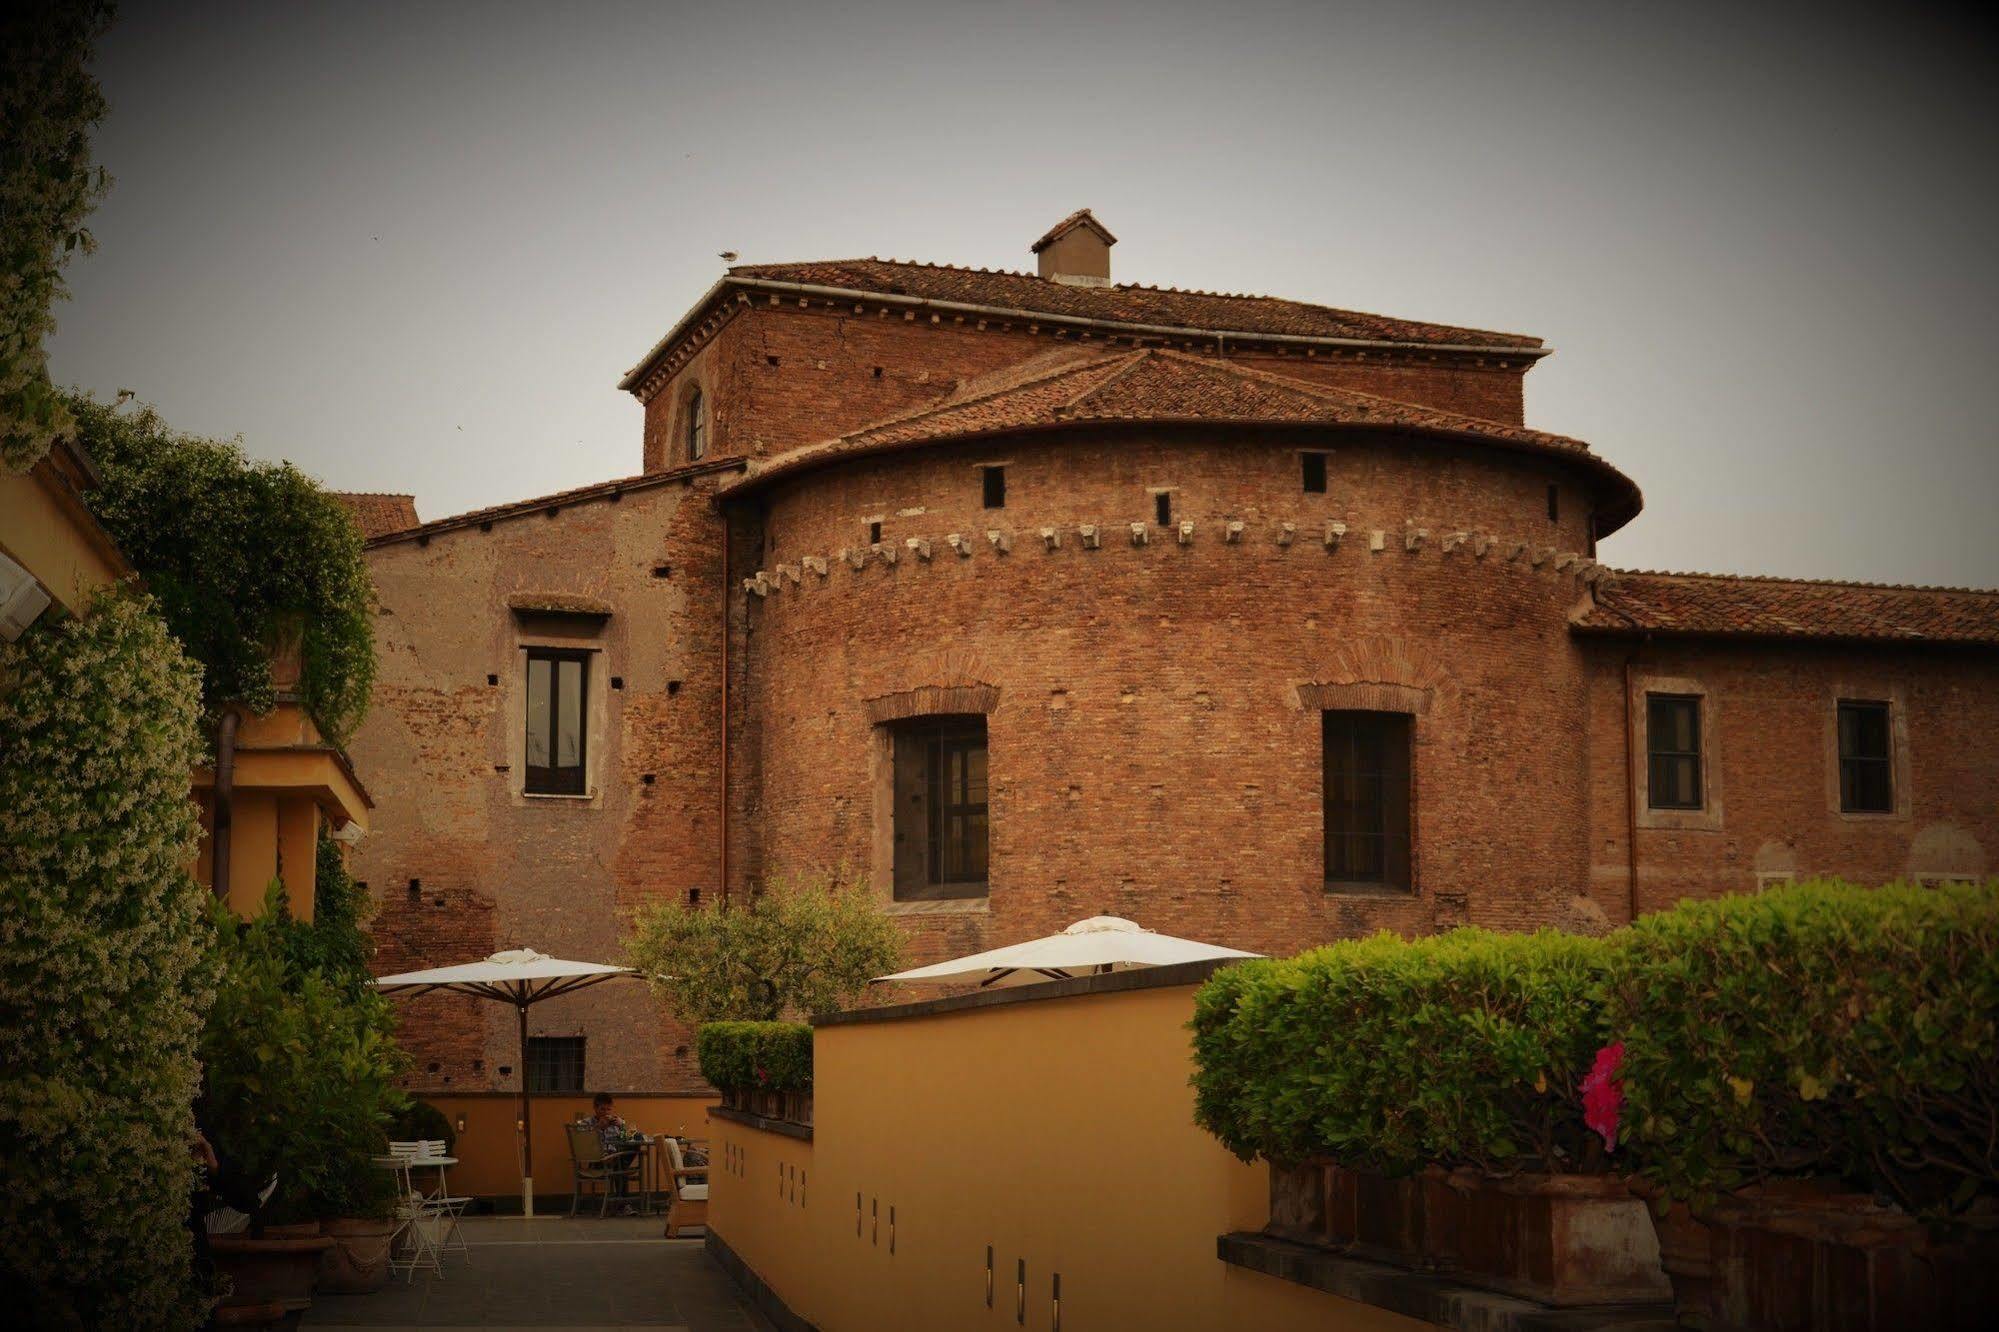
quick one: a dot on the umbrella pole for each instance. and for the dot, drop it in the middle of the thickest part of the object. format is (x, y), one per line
(527, 1127)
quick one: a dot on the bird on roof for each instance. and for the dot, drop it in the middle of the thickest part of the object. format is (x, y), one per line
(727, 256)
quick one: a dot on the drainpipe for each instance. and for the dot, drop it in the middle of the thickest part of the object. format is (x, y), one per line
(225, 798)
(724, 892)
(1630, 796)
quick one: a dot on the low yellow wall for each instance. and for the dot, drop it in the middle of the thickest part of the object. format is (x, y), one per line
(1059, 1132)
(488, 1150)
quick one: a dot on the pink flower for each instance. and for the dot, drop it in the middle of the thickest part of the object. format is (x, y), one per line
(763, 1076)
(1603, 1094)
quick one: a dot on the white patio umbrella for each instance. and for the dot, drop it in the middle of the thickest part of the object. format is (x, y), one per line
(521, 977)
(1089, 947)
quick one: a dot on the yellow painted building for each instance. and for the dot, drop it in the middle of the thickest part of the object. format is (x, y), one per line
(283, 781)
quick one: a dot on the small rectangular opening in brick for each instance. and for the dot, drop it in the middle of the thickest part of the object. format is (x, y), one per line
(617, 682)
(992, 481)
(874, 534)
(1162, 509)
(492, 679)
(662, 571)
(1314, 473)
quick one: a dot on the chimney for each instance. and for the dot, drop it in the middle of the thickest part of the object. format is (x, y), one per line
(1077, 250)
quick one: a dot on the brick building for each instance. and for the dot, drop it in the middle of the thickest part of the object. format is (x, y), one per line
(1035, 597)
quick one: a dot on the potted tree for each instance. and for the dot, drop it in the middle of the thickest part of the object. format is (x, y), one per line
(300, 1065)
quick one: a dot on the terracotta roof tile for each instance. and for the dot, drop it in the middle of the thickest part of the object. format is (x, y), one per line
(580, 494)
(377, 514)
(1125, 304)
(1082, 217)
(1720, 605)
(1075, 385)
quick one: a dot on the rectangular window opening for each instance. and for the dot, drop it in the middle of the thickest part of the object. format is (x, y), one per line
(1554, 503)
(1673, 751)
(1367, 799)
(1162, 509)
(1315, 473)
(992, 481)
(557, 720)
(940, 825)
(555, 1064)
(874, 534)
(1866, 758)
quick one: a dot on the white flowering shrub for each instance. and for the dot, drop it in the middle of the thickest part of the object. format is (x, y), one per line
(104, 969)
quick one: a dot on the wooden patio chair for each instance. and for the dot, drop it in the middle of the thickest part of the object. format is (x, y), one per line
(591, 1165)
(687, 1191)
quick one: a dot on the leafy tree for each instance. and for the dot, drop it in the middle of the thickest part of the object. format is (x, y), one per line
(103, 969)
(49, 104)
(334, 943)
(240, 554)
(794, 948)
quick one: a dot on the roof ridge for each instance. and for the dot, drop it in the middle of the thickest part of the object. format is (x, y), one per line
(1132, 360)
(1804, 582)
(1080, 359)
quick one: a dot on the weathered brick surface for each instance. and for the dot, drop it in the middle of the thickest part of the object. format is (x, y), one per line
(1769, 710)
(1151, 754)
(441, 748)
(776, 378)
(1153, 708)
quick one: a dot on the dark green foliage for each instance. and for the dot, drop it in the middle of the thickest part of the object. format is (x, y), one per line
(420, 1121)
(756, 1056)
(301, 1073)
(1389, 1054)
(1822, 1029)
(103, 969)
(49, 105)
(242, 556)
(334, 944)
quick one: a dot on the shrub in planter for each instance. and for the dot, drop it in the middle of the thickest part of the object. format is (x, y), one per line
(1820, 1030)
(1419, 1101)
(762, 1058)
(1390, 1054)
(301, 1076)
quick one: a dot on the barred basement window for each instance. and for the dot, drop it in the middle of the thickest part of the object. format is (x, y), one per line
(1367, 799)
(1866, 766)
(557, 722)
(555, 1064)
(1673, 751)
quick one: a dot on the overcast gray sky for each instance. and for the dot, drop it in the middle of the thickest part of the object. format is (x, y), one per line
(412, 247)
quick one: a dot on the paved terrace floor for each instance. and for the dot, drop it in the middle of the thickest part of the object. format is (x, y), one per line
(553, 1272)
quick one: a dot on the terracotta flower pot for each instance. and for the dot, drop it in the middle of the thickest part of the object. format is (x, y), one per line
(358, 1262)
(267, 1270)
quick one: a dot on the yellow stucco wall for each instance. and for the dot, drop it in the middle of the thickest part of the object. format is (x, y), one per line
(488, 1147)
(1059, 1132)
(45, 529)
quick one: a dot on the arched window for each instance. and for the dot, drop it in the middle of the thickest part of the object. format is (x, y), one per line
(697, 427)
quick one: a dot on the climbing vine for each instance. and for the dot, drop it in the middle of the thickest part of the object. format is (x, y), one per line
(104, 971)
(241, 555)
(49, 104)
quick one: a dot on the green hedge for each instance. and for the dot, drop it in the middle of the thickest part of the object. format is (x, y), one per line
(756, 1056)
(1822, 1029)
(1389, 1054)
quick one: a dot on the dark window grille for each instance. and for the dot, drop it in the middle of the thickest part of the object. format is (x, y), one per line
(557, 720)
(1367, 798)
(958, 805)
(1315, 473)
(1673, 751)
(555, 1064)
(697, 427)
(1866, 759)
(992, 482)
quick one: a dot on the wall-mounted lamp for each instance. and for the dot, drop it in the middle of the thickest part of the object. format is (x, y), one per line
(461, 1123)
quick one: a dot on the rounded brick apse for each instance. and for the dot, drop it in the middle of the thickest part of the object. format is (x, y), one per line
(1181, 650)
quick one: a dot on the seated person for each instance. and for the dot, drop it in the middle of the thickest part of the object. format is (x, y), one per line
(621, 1142)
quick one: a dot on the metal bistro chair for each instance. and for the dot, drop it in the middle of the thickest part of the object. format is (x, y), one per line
(591, 1165)
(435, 1219)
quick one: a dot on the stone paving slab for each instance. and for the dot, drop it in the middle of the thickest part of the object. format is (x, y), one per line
(553, 1272)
